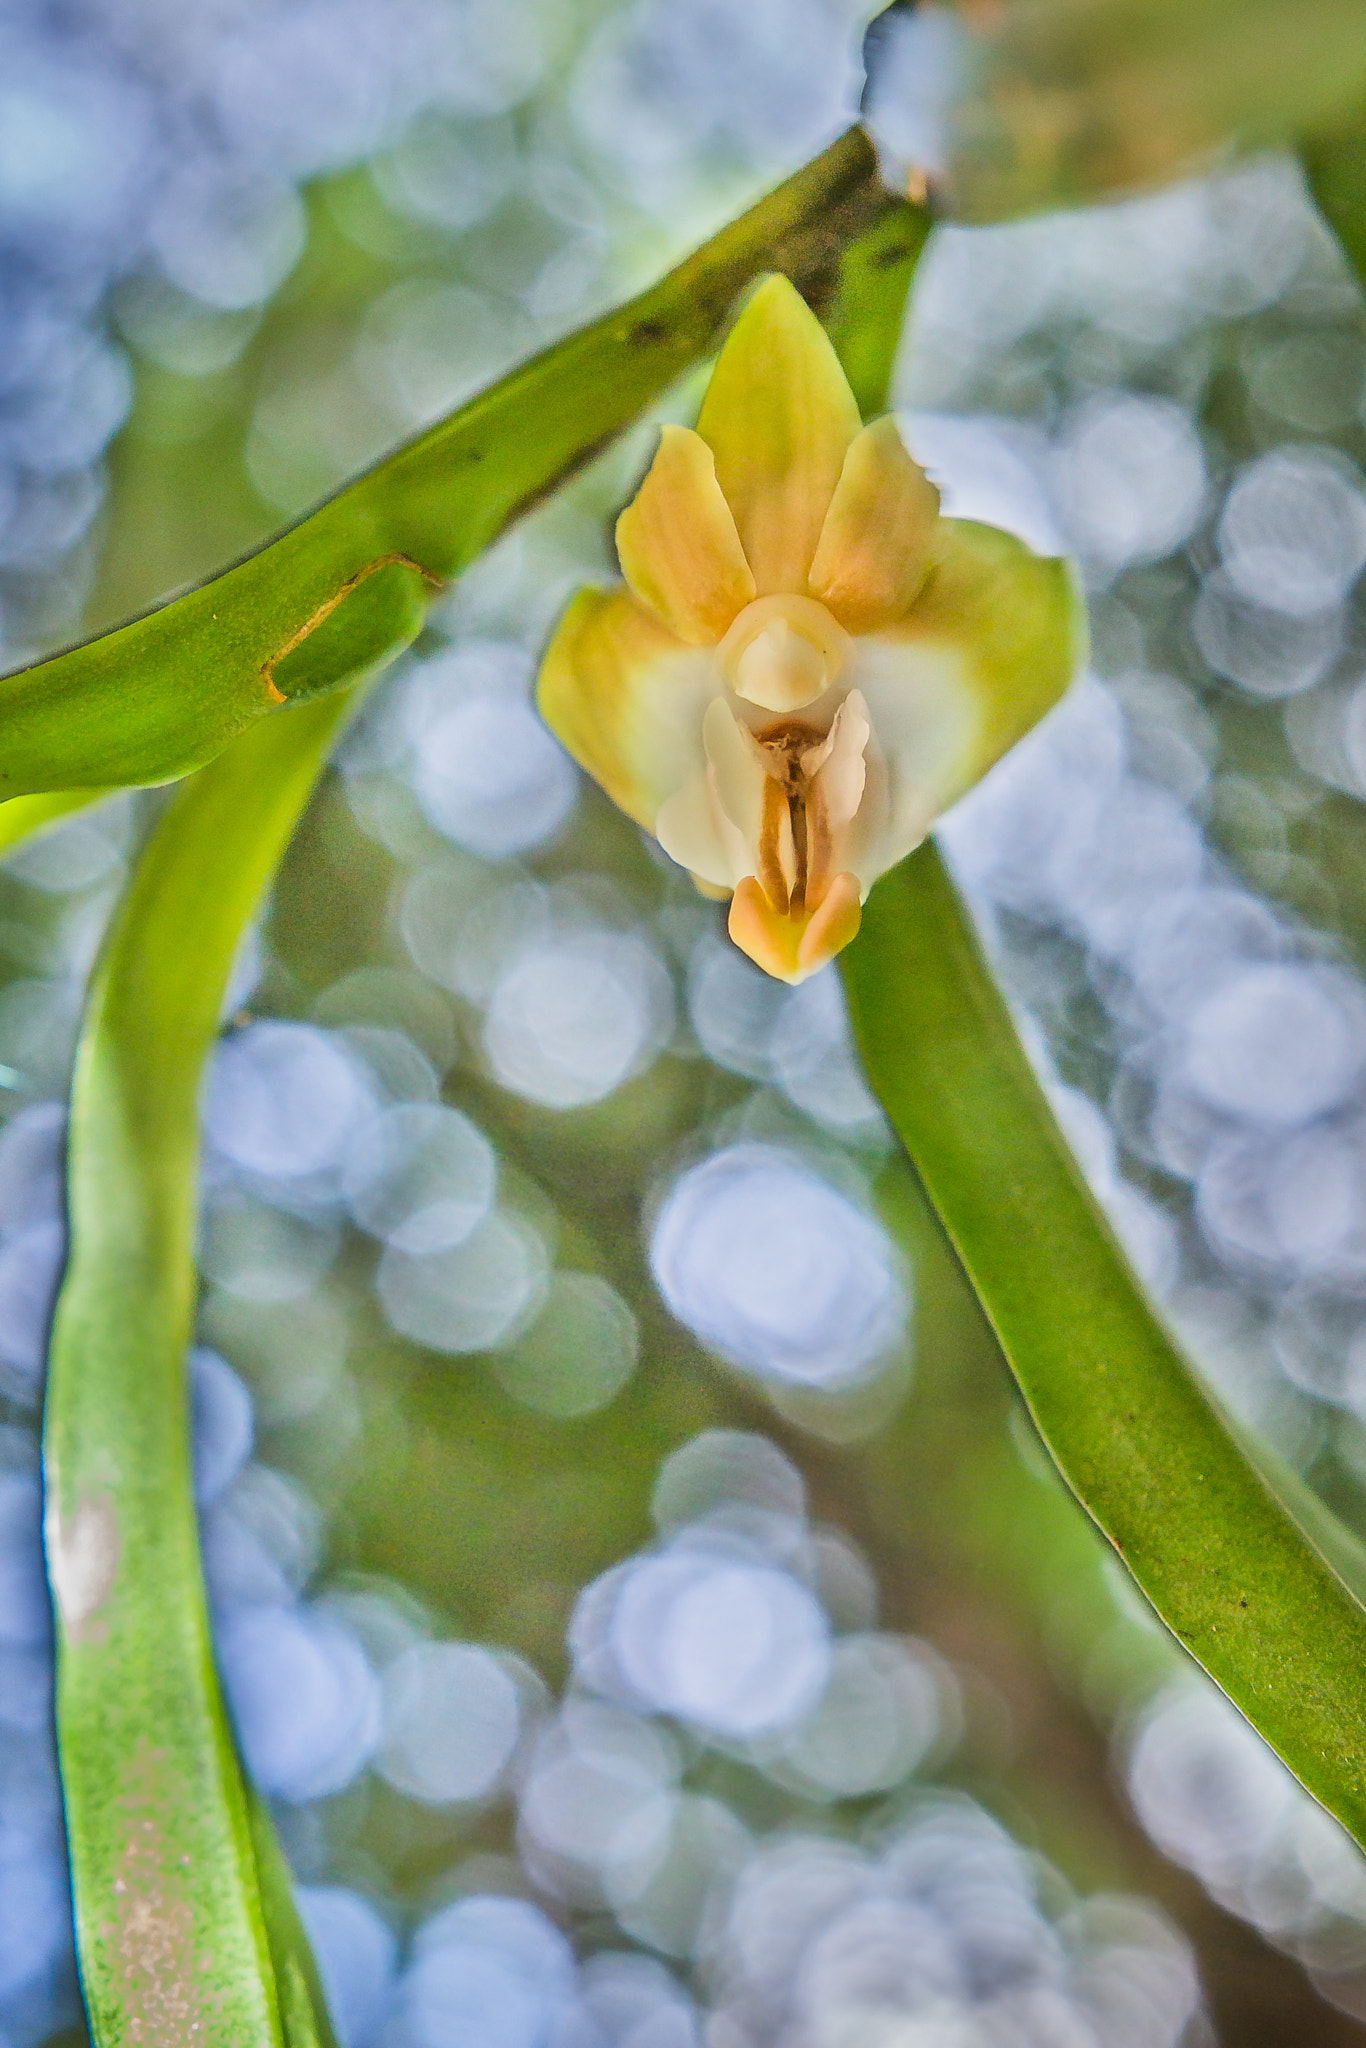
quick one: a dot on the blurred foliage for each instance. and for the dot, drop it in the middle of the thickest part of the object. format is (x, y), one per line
(1064, 102)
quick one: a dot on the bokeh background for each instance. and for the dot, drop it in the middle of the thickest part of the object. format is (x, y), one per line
(637, 1589)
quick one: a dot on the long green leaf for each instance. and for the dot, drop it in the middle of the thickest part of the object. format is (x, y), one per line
(348, 587)
(1214, 1543)
(172, 1937)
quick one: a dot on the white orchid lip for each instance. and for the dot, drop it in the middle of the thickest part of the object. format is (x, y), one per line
(783, 652)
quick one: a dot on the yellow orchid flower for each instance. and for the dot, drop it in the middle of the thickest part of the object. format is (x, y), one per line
(806, 663)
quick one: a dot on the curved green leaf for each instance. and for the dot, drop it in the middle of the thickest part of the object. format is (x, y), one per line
(1219, 1547)
(1334, 163)
(23, 817)
(173, 1939)
(348, 587)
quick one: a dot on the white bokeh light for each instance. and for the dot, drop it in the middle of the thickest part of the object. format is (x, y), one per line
(723, 1642)
(485, 1973)
(1130, 478)
(1293, 531)
(25, 1617)
(490, 776)
(304, 1699)
(221, 1422)
(283, 1098)
(878, 1715)
(420, 1176)
(776, 1269)
(1277, 1044)
(578, 1354)
(599, 1798)
(573, 1019)
(356, 1954)
(452, 1719)
(468, 1296)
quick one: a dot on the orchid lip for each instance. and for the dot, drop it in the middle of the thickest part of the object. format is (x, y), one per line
(783, 652)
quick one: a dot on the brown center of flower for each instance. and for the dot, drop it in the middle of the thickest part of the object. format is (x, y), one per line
(794, 833)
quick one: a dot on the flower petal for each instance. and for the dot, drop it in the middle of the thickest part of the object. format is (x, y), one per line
(627, 698)
(694, 831)
(779, 417)
(678, 545)
(993, 640)
(831, 926)
(839, 761)
(713, 824)
(790, 945)
(736, 770)
(875, 548)
(770, 937)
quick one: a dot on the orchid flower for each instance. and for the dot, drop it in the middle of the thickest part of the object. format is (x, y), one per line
(806, 663)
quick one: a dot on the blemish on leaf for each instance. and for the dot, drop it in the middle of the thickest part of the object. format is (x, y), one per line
(82, 1561)
(345, 658)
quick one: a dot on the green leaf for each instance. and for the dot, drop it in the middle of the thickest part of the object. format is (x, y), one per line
(25, 816)
(303, 2002)
(1335, 170)
(869, 309)
(1220, 1546)
(174, 1941)
(348, 586)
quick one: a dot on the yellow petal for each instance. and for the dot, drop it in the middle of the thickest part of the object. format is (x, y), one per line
(831, 926)
(779, 417)
(790, 945)
(874, 551)
(627, 699)
(770, 937)
(993, 640)
(678, 545)
(1017, 621)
